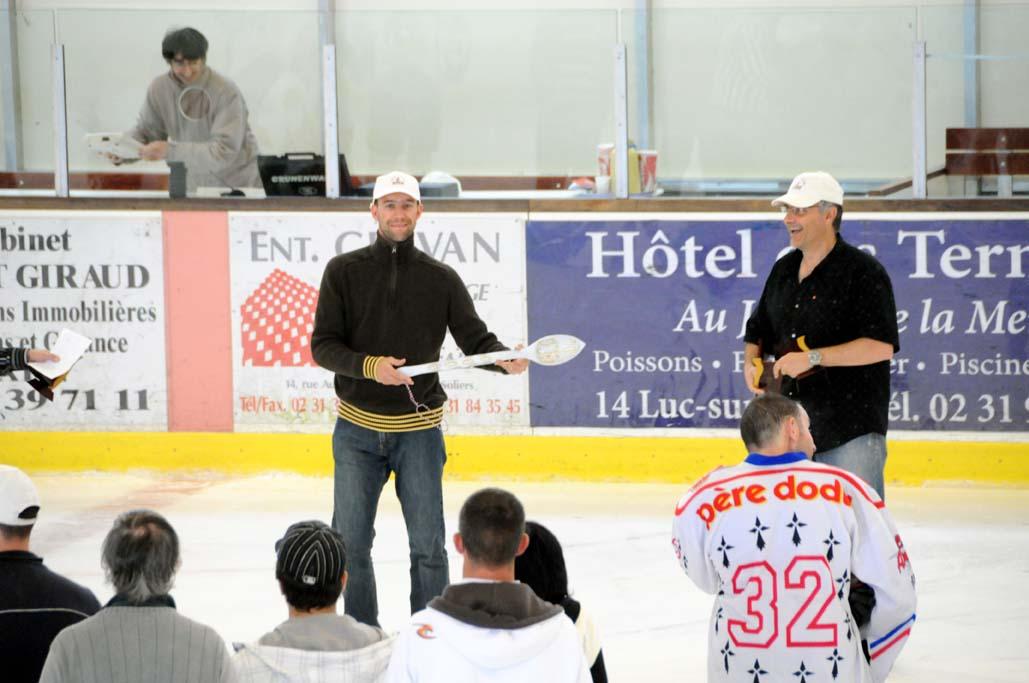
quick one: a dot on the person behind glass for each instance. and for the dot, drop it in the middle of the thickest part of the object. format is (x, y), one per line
(138, 635)
(828, 315)
(542, 568)
(13, 359)
(195, 115)
(381, 307)
(35, 603)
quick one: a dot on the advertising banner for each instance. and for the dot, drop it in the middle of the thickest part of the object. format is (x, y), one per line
(662, 305)
(101, 275)
(277, 262)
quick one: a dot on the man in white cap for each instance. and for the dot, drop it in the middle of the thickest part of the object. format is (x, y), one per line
(379, 308)
(35, 603)
(827, 315)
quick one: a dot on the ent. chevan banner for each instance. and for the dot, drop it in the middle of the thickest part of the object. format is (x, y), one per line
(662, 306)
(277, 262)
(101, 275)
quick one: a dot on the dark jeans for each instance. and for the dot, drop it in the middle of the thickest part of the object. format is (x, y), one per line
(364, 459)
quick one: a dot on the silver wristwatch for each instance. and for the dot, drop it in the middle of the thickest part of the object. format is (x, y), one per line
(814, 357)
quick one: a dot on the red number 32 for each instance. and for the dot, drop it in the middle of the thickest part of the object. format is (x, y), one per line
(758, 581)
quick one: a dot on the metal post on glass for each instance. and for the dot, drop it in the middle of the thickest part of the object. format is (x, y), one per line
(10, 86)
(621, 160)
(60, 122)
(918, 125)
(329, 121)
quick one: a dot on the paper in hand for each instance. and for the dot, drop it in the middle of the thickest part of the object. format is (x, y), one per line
(46, 375)
(119, 145)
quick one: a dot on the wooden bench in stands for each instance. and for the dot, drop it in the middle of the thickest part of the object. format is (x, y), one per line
(1001, 152)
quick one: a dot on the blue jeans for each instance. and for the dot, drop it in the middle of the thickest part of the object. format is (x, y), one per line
(364, 459)
(864, 456)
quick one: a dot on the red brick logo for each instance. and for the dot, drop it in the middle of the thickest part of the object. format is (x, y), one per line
(277, 320)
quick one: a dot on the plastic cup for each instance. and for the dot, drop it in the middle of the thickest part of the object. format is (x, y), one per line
(648, 170)
(605, 152)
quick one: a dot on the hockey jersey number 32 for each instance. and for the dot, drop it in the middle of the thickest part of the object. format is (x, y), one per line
(778, 539)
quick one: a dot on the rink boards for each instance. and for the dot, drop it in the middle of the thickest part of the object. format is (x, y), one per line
(201, 323)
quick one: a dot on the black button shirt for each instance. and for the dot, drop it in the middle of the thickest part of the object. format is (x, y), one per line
(847, 296)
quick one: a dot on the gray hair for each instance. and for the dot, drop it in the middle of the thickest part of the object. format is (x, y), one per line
(763, 419)
(140, 555)
(823, 208)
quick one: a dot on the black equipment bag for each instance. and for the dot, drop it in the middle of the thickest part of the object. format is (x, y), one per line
(300, 174)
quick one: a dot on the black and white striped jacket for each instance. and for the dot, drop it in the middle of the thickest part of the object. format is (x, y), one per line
(13, 359)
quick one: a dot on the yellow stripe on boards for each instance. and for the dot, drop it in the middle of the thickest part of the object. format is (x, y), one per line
(309, 454)
(532, 458)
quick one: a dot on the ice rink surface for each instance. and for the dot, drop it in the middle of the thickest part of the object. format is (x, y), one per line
(969, 547)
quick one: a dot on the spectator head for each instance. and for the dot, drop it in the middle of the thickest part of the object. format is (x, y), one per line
(141, 555)
(19, 504)
(184, 43)
(311, 565)
(542, 565)
(492, 528)
(773, 424)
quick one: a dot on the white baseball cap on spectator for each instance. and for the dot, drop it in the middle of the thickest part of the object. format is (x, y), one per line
(19, 500)
(807, 189)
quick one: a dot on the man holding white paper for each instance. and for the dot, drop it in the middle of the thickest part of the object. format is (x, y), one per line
(13, 359)
(47, 368)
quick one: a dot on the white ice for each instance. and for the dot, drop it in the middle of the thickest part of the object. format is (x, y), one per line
(969, 547)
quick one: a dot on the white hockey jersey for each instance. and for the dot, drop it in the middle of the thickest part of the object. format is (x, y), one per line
(778, 539)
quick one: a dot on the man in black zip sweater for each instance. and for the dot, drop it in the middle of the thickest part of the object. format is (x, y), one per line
(379, 308)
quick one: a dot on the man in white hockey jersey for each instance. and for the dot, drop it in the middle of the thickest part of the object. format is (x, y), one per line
(489, 627)
(780, 539)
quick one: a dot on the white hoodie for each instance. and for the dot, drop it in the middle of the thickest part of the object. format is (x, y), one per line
(436, 647)
(267, 664)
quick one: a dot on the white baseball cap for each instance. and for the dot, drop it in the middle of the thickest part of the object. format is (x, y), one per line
(19, 500)
(396, 181)
(808, 189)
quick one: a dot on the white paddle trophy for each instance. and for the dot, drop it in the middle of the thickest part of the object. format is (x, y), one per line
(554, 349)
